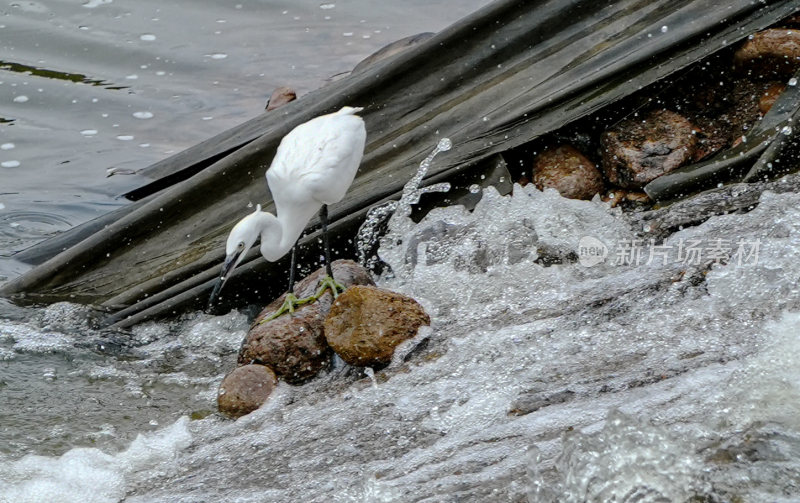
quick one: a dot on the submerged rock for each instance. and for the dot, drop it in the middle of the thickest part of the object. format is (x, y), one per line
(294, 345)
(245, 389)
(366, 323)
(637, 151)
(567, 170)
(770, 52)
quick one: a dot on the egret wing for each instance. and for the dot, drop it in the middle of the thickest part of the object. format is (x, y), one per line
(317, 160)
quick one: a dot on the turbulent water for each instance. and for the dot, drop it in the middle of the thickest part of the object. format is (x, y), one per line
(541, 379)
(569, 358)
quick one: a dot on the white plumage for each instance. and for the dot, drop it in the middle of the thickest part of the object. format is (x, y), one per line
(314, 165)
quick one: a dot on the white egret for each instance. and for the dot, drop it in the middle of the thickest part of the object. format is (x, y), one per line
(313, 167)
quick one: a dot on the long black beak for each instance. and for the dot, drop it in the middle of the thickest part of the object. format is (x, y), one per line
(227, 269)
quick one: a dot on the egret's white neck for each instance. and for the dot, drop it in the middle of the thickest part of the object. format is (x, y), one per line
(271, 232)
(279, 234)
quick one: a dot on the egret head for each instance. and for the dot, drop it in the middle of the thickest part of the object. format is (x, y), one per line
(243, 235)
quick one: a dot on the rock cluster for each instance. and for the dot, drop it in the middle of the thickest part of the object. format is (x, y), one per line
(363, 325)
(294, 346)
(685, 123)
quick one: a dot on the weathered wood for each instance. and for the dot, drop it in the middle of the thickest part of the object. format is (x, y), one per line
(497, 79)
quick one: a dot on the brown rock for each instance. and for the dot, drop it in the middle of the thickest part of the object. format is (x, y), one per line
(294, 345)
(366, 323)
(568, 171)
(769, 96)
(245, 389)
(771, 52)
(280, 97)
(638, 151)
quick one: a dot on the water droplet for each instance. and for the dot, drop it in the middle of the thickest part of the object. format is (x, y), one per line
(7, 146)
(10, 164)
(20, 99)
(347, 34)
(664, 29)
(327, 6)
(218, 55)
(147, 37)
(89, 132)
(474, 188)
(793, 82)
(787, 130)
(143, 115)
(445, 144)
(125, 137)
(132, 76)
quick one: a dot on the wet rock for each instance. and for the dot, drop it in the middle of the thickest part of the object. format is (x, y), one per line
(280, 97)
(568, 171)
(770, 53)
(637, 151)
(245, 389)
(366, 323)
(769, 96)
(294, 345)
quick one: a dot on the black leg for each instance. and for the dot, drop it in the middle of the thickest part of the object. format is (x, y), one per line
(292, 268)
(323, 216)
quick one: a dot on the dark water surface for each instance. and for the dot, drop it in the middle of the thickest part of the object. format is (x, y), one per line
(102, 84)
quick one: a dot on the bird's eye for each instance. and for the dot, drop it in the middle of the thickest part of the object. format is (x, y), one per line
(240, 245)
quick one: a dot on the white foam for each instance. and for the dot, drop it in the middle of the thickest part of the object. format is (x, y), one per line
(87, 475)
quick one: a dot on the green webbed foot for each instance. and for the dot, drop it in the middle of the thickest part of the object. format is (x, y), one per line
(329, 282)
(289, 304)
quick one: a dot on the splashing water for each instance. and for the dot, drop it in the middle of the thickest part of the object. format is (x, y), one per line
(513, 392)
(371, 228)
